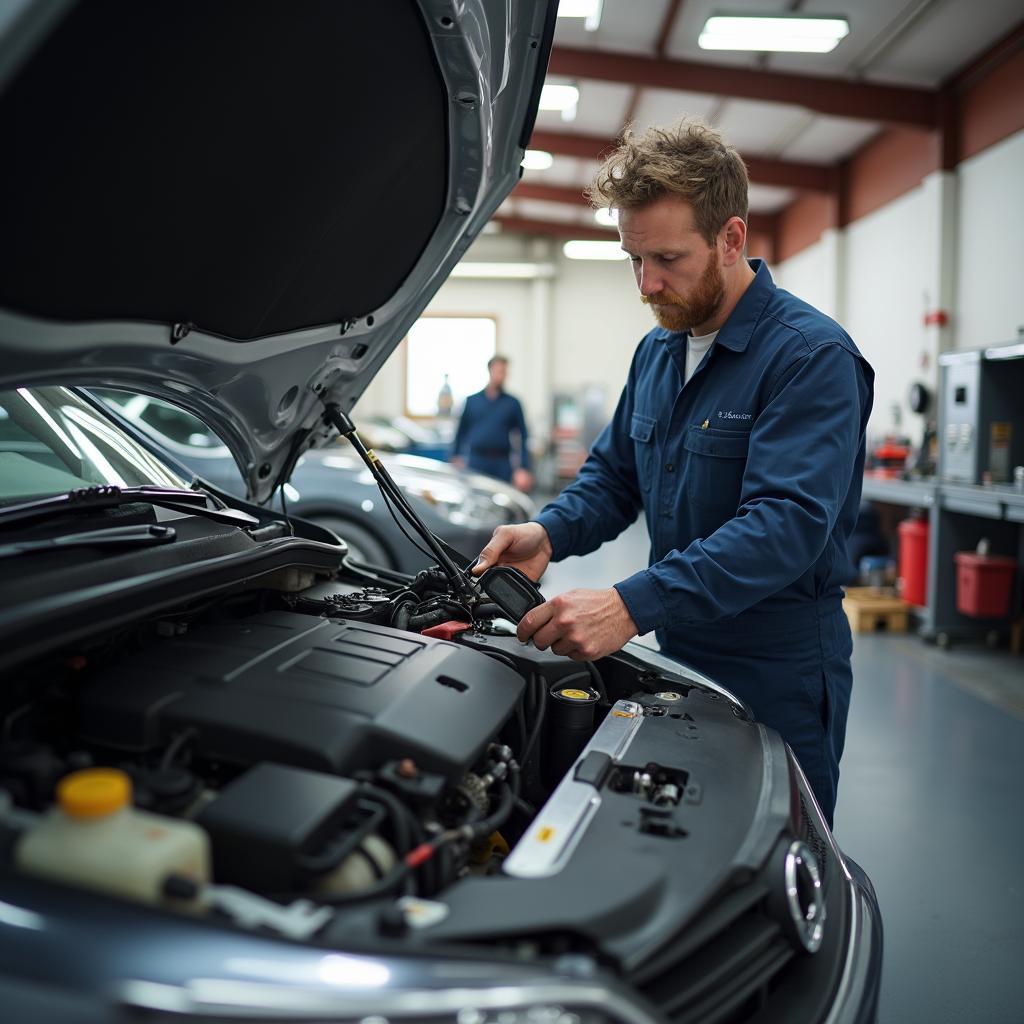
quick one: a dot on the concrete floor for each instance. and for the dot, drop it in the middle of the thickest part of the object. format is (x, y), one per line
(931, 806)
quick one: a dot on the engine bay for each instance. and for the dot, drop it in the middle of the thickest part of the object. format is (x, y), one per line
(357, 763)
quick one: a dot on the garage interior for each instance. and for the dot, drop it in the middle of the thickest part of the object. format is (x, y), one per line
(886, 190)
(336, 646)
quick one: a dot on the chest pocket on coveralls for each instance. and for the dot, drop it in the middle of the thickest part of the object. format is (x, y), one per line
(642, 431)
(715, 468)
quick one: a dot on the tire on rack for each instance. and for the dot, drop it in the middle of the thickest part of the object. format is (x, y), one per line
(363, 546)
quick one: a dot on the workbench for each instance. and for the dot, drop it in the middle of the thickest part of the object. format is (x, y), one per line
(959, 516)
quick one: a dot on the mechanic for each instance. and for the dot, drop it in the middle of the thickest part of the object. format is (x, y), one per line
(490, 420)
(740, 433)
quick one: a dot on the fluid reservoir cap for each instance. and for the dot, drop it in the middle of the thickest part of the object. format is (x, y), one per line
(94, 792)
(572, 694)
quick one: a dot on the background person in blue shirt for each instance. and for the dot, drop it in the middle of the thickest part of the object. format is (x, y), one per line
(740, 435)
(492, 428)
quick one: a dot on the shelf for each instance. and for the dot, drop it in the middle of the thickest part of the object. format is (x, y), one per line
(992, 502)
(970, 500)
(919, 493)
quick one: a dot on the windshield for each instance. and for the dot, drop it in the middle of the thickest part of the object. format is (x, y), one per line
(52, 441)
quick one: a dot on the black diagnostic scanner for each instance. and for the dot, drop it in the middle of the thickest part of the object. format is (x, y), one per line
(511, 590)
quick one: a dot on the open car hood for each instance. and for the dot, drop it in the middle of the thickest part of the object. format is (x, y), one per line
(242, 206)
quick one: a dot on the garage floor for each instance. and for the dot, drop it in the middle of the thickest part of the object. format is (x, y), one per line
(930, 804)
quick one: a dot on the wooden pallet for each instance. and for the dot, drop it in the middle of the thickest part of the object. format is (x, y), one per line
(870, 610)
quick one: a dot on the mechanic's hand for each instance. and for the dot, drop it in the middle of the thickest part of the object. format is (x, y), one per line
(526, 547)
(522, 480)
(583, 624)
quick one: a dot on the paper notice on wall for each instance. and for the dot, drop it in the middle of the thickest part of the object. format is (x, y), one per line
(999, 451)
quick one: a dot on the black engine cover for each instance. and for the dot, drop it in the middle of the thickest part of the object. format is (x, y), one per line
(316, 693)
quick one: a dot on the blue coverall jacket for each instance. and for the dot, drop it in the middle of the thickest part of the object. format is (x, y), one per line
(749, 477)
(486, 429)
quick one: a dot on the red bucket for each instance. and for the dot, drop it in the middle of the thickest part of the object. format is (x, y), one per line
(984, 584)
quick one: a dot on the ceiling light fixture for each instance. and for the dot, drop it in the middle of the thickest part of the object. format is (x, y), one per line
(560, 97)
(580, 249)
(776, 33)
(496, 270)
(537, 160)
(590, 10)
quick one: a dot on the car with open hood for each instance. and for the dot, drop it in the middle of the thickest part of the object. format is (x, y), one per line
(243, 777)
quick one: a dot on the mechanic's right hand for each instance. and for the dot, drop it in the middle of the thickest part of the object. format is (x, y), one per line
(526, 547)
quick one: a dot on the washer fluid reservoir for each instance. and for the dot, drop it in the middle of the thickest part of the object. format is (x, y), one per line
(95, 838)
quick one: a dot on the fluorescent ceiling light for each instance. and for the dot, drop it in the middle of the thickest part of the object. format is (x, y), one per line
(563, 98)
(588, 9)
(579, 249)
(606, 217)
(496, 269)
(537, 160)
(781, 33)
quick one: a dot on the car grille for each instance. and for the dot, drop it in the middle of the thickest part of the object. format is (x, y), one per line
(717, 970)
(812, 837)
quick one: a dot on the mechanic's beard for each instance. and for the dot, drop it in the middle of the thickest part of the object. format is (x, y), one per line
(675, 313)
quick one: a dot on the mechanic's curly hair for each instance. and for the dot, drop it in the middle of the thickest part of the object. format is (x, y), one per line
(688, 159)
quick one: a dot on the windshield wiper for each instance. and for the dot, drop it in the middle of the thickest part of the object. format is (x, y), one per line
(88, 499)
(115, 536)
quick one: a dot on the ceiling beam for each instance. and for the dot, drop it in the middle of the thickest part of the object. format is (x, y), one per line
(556, 229)
(988, 61)
(574, 196)
(836, 96)
(762, 170)
(660, 44)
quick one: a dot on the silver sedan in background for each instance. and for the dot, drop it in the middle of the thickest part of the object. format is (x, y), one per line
(333, 488)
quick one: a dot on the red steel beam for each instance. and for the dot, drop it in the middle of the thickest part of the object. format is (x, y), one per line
(556, 229)
(574, 196)
(840, 97)
(763, 171)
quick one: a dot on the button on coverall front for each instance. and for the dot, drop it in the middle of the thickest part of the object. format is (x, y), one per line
(749, 478)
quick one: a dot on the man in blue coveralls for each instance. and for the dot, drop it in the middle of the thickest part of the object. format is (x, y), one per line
(490, 421)
(740, 434)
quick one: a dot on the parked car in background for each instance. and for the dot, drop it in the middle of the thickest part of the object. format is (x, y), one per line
(402, 434)
(332, 487)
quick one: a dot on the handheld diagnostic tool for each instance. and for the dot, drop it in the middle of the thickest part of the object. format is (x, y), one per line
(511, 590)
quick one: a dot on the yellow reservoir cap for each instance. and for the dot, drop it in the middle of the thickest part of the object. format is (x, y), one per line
(94, 792)
(571, 694)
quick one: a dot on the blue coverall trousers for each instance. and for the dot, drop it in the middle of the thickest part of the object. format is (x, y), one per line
(498, 466)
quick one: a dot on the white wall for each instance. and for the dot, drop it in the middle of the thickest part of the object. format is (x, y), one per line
(509, 302)
(990, 246)
(807, 275)
(567, 333)
(597, 322)
(889, 274)
(886, 286)
(873, 277)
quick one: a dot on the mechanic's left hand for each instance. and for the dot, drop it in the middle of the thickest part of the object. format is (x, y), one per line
(583, 624)
(522, 480)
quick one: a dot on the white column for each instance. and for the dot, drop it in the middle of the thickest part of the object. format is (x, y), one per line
(833, 256)
(940, 227)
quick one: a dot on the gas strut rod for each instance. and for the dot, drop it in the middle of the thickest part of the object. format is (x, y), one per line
(334, 415)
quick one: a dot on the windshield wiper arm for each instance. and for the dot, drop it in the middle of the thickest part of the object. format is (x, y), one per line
(115, 536)
(86, 499)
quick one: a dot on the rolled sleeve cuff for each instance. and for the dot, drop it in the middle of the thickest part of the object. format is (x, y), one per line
(558, 533)
(640, 595)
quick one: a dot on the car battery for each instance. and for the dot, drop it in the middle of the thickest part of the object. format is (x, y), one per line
(981, 418)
